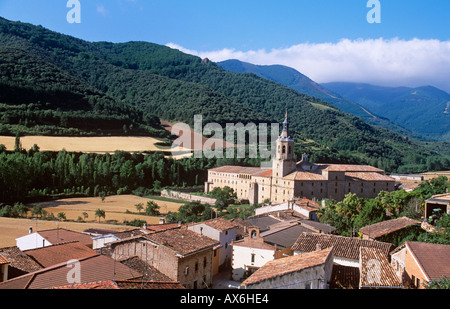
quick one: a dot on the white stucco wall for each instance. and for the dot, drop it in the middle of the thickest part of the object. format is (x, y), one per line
(224, 237)
(31, 241)
(242, 257)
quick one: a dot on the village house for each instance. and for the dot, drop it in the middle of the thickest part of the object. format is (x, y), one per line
(4, 262)
(221, 230)
(291, 180)
(439, 202)
(346, 249)
(388, 227)
(250, 253)
(124, 285)
(182, 255)
(418, 263)
(308, 271)
(56, 262)
(375, 271)
(51, 237)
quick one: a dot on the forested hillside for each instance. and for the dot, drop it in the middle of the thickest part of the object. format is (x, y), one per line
(87, 88)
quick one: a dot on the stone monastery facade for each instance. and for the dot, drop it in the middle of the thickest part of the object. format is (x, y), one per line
(290, 180)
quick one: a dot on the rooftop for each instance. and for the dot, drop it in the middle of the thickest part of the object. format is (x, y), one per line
(434, 259)
(388, 226)
(124, 284)
(384, 277)
(56, 254)
(57, 236)
(19, 260)
(220, 224)
(183, 241)
(94, 269)
(346, 247)
(284, 266)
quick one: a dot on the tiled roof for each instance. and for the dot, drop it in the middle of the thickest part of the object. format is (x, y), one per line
(3, 259)
(367, 176)
(52, 255)
(20, 260)
(254, 171)
(93, 269)
(434, 259)
(220, 224)
(124, 285)
(345, 247)
(183, 241)
(161, 227)
(57, 236)
(376, 271)
(285, 236)
(288, 265)
(348, 168)
(148, 272)
(344, 277)
(388, 226)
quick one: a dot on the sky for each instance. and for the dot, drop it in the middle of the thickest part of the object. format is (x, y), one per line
(327, 40)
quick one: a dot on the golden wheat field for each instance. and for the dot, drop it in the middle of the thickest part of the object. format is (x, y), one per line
(115, 208)
(10, 229)
(106, 144)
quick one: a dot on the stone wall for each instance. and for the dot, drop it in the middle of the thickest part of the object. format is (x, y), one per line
(188, 197)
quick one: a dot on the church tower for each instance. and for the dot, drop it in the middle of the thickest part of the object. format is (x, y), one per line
(284, 162)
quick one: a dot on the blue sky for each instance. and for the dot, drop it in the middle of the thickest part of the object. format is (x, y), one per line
(256, 30)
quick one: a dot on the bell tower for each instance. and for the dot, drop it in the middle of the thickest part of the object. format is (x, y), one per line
(284, 162)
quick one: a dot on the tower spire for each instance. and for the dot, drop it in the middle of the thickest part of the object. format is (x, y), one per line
(285, 133)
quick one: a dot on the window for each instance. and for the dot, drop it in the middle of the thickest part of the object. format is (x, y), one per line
(308, 286)
(253, 258)
(196, 266)
(186, 271)
(204, 262)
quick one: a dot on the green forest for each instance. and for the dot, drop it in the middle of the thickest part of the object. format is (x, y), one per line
(54, 84)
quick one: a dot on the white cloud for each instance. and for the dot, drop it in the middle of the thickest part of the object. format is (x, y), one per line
(389, 62)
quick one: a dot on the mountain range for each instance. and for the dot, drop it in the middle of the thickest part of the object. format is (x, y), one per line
(56, 84)
(422, 112)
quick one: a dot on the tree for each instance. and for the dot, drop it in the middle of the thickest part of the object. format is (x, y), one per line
(152, 209)
(441, 284)
(61, 216)
(100, 213)
(139, 207)
(38, 211)
(224, 197)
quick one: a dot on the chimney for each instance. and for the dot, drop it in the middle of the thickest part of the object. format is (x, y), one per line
(144, 226)
(162, 221)
(318, 247)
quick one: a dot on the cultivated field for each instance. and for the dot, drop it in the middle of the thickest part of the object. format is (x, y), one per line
(104, 144)
(430, 175)
(115, 208)
(10, 229)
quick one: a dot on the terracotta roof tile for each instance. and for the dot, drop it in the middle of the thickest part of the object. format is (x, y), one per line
(346, 247)
(57, 236)
(93, 269)
(434, 259)
(220, 224)
(254, 171)
(3, 259)
(124, 285)
(284, 266)
(376, 271)
(52, 255)
(388, 226)
(183, 241)
(20, 260)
